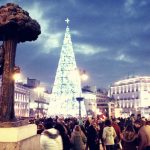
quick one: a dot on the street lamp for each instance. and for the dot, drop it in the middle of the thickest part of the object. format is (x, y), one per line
(83, 77)
(79, 99)
(16, 75)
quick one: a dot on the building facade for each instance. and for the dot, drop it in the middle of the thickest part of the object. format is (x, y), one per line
(104, 104)
(132, 95)
(22, 99)
(39, 102)
(28, 101)
(39, 99)
(90, 103)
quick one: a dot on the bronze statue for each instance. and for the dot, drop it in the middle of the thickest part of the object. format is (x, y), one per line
(15, 26)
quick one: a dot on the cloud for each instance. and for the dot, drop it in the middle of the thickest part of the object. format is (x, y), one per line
(135, 8)
(134, 43)
(129, 7)
(124, 58)
(76, 33)
(73, 2)
(48, 39)
(143, 2)
(88, 49)
(112, 35)
(52, 41)
(146, 27)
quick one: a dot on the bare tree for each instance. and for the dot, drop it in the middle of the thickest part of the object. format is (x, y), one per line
(15, 26)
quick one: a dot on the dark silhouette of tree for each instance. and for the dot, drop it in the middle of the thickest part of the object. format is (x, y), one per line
(15, 26)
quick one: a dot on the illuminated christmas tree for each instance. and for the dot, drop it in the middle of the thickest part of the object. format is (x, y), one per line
(67, 84)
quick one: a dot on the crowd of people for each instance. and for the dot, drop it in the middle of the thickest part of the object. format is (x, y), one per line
(89, 133)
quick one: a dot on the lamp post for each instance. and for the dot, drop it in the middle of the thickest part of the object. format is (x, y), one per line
(79, 99)
(16, 74)
(83, 77)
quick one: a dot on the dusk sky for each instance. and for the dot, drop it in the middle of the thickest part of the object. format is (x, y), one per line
(111, 39)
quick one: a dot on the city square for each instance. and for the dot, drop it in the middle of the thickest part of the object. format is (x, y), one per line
(76, 104)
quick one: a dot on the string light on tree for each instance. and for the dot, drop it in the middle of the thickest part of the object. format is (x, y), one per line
(67, 85)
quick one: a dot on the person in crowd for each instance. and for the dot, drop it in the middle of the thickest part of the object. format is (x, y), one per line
(138, 116)
(143, 135)
(93, 136)
(83, 130)
(128, 121)
(118, 132)
(50, 138)
(148, 122)
(40, 128)
(101, 125)
(87, 123)
(109, 135)
(64, 136)
(78, 139)
(129, 138)
(121, 123)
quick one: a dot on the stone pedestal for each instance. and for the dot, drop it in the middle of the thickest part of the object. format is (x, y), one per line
(19, 138)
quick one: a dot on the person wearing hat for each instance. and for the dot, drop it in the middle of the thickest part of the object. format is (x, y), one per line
(143, 135)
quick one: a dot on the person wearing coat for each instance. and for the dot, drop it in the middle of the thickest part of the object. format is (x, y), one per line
(51, 140)
(78, 138)
(64, 135)
(93, 136)
(129, 138)
(143, 135)
(109, 135)
(118, 133)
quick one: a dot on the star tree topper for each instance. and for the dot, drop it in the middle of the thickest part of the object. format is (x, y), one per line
(67, 21)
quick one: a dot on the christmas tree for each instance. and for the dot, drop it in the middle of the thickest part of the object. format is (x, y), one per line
(67, 84)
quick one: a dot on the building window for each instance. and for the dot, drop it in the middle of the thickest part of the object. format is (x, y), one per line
(137, 87)
(133, 96)
(145, 87)
(113, 90)
(132, 88)
(117, 90)
(121, 89)
(125, 89)
(127, 104)
(129, 88)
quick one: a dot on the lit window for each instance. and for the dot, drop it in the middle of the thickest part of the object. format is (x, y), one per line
(145, 87)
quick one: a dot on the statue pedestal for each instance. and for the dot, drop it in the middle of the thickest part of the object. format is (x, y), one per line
(19, 138)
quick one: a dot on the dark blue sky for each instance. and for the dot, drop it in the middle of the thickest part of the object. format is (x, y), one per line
(111, 38)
